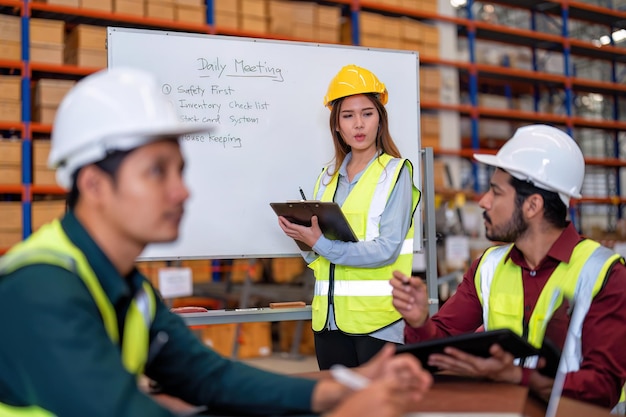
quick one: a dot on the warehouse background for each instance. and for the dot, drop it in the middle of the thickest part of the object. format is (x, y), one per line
(486, 69)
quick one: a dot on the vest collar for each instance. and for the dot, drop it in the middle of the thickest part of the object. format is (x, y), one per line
(114, 285)
(561, 250)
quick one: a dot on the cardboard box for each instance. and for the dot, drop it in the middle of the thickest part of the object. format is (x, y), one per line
(85, 57)
(10, 28)
(284, 270)
(255, 340)
(46, 31)
(44, 114)
(220, 337)
(68, 3)
(10, 151)
(302, 31)
(88, 37)
(10, 87)
(45, 211)
(9, 238)
(46, 53)
(11, 215)
(41, 151)
(130, 7)
(286, 337)
(101, 5)
(429, 124)
(10, 162)
(328, 34)
(226, 6)
(160, 10)
(328, 16)
(10, 50)
(10, 110)
(190, 14)
(51, 92)
(254, 8)
(194, 3)
(254, 24)
(226, 20)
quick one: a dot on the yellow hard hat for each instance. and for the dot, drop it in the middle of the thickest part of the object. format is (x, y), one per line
(351, 80)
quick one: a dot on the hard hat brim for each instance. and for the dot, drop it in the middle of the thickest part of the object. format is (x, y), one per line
(494, 161)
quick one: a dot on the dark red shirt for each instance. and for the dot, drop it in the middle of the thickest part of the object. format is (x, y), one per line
(603, 369)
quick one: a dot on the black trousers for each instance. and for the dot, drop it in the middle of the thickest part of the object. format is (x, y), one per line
(333, 346)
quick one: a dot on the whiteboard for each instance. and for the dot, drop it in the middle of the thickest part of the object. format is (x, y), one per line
(272, 137)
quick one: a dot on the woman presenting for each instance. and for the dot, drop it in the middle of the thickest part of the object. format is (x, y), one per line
(353, 315)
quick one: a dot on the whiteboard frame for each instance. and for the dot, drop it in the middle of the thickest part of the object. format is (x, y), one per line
(419, 230)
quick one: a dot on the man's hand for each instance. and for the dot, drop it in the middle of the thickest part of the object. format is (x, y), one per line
(498, 367)
(410, 298)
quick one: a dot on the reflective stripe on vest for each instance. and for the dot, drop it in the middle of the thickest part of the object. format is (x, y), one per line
(50, 245)
(362, 296)
(499, 286)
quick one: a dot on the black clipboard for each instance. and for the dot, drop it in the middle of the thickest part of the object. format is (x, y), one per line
(476, 344)
(329, 215)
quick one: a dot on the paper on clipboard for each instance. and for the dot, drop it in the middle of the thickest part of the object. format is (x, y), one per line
(330, 217)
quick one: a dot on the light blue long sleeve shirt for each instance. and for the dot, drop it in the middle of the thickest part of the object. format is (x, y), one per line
(383, 250)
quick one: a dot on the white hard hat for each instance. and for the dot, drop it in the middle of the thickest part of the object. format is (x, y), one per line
(545, 156)
(115, 109)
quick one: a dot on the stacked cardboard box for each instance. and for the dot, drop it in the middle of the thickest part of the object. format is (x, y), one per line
(46, 41)
(10, 37)
(254, 339)
(429, 6)
(10, 104)
(69, 3)
(430, 84)
(45, 211)
(328, 23)
(307, 21)
(85, 46)
(48, 93)
(99, 5)
(378, 31)
(254, 16)
(42, 175)
(160, 9)
(286, 337)
(11, 224)
(226, 13)
(284, 270)
(10, 162)
(190, 11)
(129, 7)
(430, 130)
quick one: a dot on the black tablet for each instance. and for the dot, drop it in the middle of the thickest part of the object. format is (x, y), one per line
(329, 215)
(476, 344)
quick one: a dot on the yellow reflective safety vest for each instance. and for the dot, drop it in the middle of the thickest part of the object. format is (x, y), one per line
(50, 245)
(499, 286)
(361, 296)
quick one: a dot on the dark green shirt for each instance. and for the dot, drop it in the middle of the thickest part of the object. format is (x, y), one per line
(55, 352)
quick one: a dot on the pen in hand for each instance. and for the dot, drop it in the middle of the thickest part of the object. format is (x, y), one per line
(302, 193)
(348, 377)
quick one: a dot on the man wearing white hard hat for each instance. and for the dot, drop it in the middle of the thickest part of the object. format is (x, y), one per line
(525, 284)
(80, 324)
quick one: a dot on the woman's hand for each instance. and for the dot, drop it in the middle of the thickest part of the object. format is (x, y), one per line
(308, 235)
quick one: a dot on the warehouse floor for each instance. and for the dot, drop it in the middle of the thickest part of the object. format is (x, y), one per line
(285, 363)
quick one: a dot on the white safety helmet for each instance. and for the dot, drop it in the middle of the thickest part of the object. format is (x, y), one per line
(544, 155)
(114, 109)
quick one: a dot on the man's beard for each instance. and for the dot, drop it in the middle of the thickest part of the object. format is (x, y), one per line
(508, 232)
